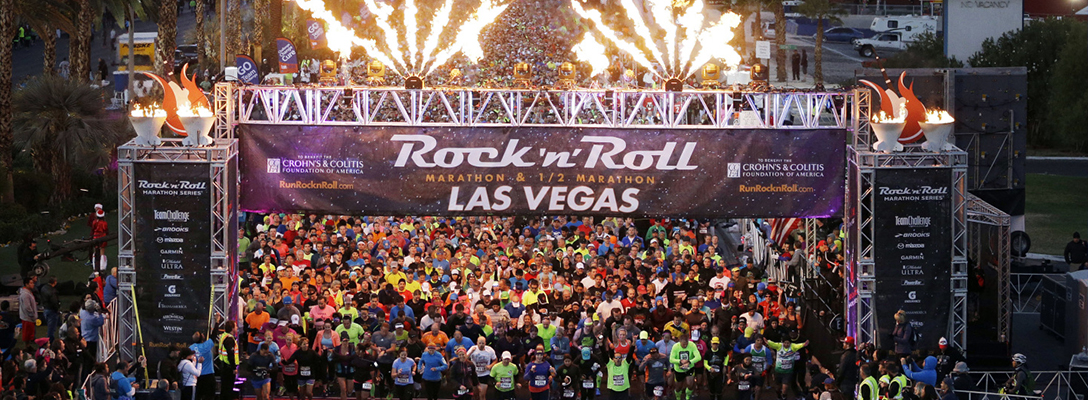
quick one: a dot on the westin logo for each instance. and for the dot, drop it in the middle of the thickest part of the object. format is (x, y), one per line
(273, 165)
(733, 170)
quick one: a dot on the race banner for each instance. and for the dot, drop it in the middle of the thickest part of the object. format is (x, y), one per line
(316, 32)
(172, 253)
(247, 70)
(287, 56)
(912, 252)
(543, 170)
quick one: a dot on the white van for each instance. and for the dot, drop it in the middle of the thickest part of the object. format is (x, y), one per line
(909, 26)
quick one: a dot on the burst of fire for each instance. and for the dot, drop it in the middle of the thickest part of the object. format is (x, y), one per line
(412, 60)
(195, 112)
(690, 40)
(899, 118)
(153, 111)
(939, 117)
(592, 53)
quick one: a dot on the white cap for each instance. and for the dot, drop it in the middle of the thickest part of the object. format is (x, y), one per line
(506, 356)
(942, 342)
(487, 292)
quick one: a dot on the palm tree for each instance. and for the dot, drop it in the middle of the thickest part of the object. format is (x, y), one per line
(167, 40)
(200, 33)
(820, 10)
(259, 18)
(62, 123)
(234, 29)
(79, 48)
(7, 137)
(780, 41)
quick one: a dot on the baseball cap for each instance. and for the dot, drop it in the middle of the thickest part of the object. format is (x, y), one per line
(287, 300)
(644, 335)
(961, 367)
(586, 353)
(829, 381)
(398, 326)
(848, 340)
(506, 356)
(715, 340)
(942, 342)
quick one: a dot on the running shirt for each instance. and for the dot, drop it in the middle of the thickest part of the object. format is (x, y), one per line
(482, 359)
(504, 376)
(680, 353)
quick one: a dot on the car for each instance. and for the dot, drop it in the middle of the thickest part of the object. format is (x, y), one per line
(881, 41)
(184, 53)
(843, 34)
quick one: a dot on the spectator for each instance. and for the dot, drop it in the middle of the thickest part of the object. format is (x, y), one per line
(903, 334)
(51, 305)
(90, 322)
(1022, 382)
(1076, 253)
(28, 310)
(961, 381)
(190, 372)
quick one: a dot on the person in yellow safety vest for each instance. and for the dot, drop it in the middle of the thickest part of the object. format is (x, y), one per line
(894, 381)
(228, 327)
(869, 389)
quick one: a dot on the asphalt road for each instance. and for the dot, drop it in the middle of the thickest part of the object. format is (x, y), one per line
(27, 61)
(1057, 166)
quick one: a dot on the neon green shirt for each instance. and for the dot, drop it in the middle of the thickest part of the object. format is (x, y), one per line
(504, 376)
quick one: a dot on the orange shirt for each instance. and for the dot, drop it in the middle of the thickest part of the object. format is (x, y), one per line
(256, 322)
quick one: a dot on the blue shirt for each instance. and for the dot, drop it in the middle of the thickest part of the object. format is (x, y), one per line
(404, 372)
(643, 350)
(205, 350)
(396, 311)
(109, 292)
(124, 383)
(89, 324)
(436, 361)
(452, 344)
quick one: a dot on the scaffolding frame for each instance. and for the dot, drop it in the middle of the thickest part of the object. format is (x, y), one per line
(982, 215)
(220, 159)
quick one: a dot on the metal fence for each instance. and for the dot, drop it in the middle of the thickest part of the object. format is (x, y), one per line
(1027, 291)
(1049, 385)
(107, 334)
(969, 395)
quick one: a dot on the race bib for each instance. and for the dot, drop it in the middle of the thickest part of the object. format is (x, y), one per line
(304, 371)
(716, 369)
(619, 380)
(743, 385)
(684, 356)
(368, 385)
(462, 392)
(540, 381)
(786, 363)
(402, 380)
(506, 383)
(659, 391)
(290, 368)
(568, 393)
(587, 383)
(481, 369)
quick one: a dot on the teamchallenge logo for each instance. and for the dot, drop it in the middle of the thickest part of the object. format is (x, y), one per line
(316, 165)
(774, 168)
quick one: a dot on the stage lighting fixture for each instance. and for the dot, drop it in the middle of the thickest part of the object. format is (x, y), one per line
(523, 74)
(674, 85)
(711, 74)
(413, 82)
(375, 73)
(760, 73)
(567, 74)
(327, 74)
(455, 77)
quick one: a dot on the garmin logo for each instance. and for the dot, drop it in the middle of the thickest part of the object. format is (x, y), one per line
(171, 251)
(172, 215)
(912, 257)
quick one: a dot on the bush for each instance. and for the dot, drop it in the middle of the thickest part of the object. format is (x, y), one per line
(925, 52)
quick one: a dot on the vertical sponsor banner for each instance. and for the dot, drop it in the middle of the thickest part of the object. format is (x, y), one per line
(287, 56)
(912, 252)
(247, 70)
(316, 32)
(172, 253)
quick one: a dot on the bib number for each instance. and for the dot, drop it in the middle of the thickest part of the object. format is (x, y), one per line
(540, 381)
(743, 385)
(619, 380)
(368, 385)
(659, 391)
(462, 392)
(568, 393)
(304, 371)
(402, 380)
(506, 383)
(587, 383)
(716, 369)
(480, 370)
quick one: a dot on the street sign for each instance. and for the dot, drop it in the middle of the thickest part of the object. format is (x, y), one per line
(763, 49)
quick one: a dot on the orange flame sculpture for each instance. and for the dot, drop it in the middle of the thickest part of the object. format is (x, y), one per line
(893, 104)
(170, 104)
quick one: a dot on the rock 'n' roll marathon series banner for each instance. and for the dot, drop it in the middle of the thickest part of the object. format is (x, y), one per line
(172, 253)
(693, 173)
(912, 252)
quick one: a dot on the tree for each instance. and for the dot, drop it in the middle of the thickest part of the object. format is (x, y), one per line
(1037, 46)
(927, 51)
(167, 39)
(45, 17)
(79, 48)
(62, 123)
(7, 136)
(780, 41)
(1068, 103)
(199, 31)
(820, 10)
(234, 29)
